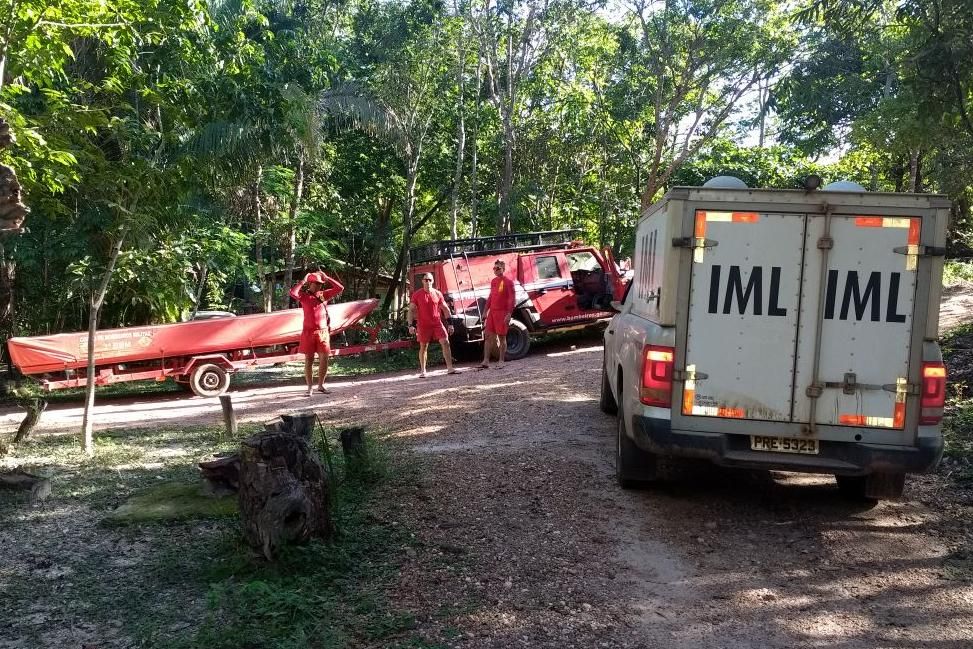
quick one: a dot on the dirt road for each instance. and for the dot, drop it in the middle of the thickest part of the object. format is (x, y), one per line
(525, 540)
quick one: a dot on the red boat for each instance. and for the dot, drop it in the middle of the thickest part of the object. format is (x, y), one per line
(199, 354)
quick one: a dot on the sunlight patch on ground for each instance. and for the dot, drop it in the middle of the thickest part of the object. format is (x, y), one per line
(417, 431)
(582, 350)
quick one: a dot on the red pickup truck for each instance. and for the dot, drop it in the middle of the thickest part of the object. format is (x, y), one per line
(560, 283)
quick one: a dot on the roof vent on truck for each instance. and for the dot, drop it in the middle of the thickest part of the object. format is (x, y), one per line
(725, 182)
(843, 186)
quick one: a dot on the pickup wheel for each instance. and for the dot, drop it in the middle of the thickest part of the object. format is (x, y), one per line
(607, 401)
(518, 340)
(633, 467)
(209, 380)
(873, 487)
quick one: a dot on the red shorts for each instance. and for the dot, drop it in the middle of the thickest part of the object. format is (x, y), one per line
(426, 333)
(315, 341)
(496, 323)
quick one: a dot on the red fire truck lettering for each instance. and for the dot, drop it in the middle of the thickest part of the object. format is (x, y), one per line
(871, 296)
(734, 287)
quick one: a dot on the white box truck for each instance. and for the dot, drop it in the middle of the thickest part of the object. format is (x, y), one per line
(782, 329)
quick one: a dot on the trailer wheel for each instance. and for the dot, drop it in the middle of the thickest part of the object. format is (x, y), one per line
(518, 340)
(634, 467)
(209, 380)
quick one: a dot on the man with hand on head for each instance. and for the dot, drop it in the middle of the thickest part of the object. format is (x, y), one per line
(427, 312)
(313, 293)
(499, 309)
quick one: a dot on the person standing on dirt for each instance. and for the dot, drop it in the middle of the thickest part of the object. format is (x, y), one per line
(427, 311)
(499, 309)
(313, 293)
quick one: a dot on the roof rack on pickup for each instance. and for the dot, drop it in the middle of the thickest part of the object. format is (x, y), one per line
(483, 245)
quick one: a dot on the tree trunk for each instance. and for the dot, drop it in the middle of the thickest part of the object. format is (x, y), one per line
(34, 409)
(292, 226)
(460, 125)
(474, 197)
(913, 171)
(200, 288)
(258, 242)
(94, 307)
(284, 492)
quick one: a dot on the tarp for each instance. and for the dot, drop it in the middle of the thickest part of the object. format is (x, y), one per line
(39, 354)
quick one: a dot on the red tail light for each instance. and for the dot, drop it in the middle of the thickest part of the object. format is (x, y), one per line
(656, 389)
(933, 398)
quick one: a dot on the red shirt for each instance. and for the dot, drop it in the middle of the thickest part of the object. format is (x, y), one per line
(427, 304)
(501, 295)
(316, 305)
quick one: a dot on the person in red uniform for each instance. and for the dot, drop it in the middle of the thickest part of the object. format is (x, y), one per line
(427, 310)
(313, 293)
(499, 309)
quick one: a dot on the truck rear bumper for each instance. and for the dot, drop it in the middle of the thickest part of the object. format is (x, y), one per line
(732, 450)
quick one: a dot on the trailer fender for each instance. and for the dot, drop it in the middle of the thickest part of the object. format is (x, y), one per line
(209, 359)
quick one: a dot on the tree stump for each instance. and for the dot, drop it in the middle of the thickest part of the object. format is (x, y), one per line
(353, 443)
(221, 473)
(38, 486)
(283, 492)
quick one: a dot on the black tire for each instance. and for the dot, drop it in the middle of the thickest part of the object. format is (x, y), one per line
(607, 402)
(518, 340)
(634, 467)
(209, 380)
(873, 487)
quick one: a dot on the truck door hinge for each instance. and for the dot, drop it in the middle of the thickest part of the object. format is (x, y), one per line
(693, 242)
(920, 251)
(850, 385)
(913, 389)
(688, 375)
(825, 243)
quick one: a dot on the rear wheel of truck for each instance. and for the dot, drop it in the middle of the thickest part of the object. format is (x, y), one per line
(876, 486)
(634, 467)
(518, 340)
(209, 380)
(607, 400)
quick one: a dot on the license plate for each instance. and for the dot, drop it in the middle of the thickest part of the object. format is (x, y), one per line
(784, 445)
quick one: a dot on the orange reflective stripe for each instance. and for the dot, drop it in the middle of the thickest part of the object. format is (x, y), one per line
(745, 217)
(868, 221)
(700, 231)
(734, 413)
(688, 398)
(852, 420)
(898, 419)
(914, 227)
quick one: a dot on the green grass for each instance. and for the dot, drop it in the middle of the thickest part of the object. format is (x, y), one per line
(955, 271)
(193, 583)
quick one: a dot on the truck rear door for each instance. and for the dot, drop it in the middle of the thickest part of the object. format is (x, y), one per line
(802, 319)
(742, 332)
(864, 342)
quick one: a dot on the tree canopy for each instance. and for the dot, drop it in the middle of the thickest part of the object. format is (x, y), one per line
(200, 154)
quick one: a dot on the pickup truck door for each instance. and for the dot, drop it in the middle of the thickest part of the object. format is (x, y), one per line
(546, 279)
